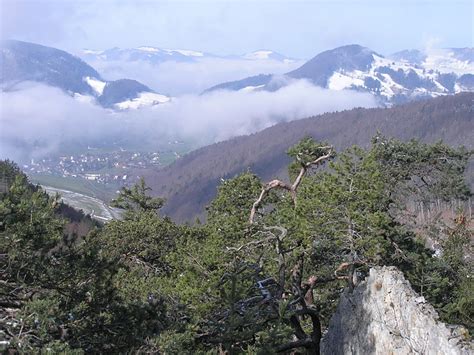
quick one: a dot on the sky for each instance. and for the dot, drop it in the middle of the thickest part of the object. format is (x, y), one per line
(299, 29)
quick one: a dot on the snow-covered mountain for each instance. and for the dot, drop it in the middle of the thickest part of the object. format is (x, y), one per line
(267, 55)
(23, 61)
(145, 53)
(401, 77)
(156, 55)
(449, 60)
(126, 94)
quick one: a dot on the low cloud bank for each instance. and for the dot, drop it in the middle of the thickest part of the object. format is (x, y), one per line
(179, 78)
(37, 120)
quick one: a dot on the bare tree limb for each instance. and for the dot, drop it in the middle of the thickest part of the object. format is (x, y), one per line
(292, 189)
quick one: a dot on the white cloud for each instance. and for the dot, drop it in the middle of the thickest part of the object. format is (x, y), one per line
(39, 120)
(178, 78)
(223, 114)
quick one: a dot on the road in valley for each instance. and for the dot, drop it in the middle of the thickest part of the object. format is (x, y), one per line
(90, 205)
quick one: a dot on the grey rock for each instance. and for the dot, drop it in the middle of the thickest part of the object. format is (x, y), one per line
(384, 315)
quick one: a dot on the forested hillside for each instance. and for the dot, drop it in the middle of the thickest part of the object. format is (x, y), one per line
(327, 211)
(190, 183)
(263, 275)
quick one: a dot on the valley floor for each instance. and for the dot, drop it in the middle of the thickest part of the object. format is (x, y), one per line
(90, 205)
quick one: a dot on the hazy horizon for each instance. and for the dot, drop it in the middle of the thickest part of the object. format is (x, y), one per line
(298, 29)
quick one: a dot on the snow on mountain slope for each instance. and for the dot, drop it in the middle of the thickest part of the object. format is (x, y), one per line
(267, 55)
(149, 49)
(252, 88)
(160, 55)
(143, 99)
(122, 94)
(389, 78)
(30, 62)
(129, 94)
(404, 76)
(96, 84)
(92, 52)
(187, 52)
(258, 55)
(339, 81)
(446, 61)
(145, 53)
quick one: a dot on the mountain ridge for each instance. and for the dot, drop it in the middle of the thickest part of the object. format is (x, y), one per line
(402, 77)
(24, 61)
(157, 55)
(195, 176)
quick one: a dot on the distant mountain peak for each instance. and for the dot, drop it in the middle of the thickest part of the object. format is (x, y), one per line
(444, 60)
(157, 55)
(24, 61)
(187, 52)
(150, 54)
(259, 54)
(149, 49)
(401, 77)
(322, 66)
(414, 56)
(266, 54)
(351, 49)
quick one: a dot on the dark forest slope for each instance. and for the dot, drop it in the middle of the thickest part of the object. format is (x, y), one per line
(23, 61)
(190, 183)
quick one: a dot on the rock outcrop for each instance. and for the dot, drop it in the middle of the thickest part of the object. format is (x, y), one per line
(383, 315)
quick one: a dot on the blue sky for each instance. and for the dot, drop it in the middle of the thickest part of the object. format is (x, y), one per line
(296, 28)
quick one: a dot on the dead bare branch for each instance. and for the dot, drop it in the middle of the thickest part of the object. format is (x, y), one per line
(292, 189)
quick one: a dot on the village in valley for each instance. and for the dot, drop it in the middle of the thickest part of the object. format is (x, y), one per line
(101, 167)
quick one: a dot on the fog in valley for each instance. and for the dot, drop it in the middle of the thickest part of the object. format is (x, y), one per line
(37, 120)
